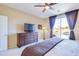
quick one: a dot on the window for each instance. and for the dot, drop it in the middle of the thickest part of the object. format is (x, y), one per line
(61, 27)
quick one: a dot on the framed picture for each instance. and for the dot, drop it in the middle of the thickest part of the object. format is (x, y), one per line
(39, 26)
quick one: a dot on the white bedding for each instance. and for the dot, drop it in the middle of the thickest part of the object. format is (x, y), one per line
(64, 48)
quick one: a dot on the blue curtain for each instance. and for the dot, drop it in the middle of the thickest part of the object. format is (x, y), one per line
(51, 22)
(72, 18)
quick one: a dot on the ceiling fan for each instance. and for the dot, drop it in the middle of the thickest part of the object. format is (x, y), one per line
(46, 6)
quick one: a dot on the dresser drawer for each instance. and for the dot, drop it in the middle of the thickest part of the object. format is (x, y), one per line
(26, 38)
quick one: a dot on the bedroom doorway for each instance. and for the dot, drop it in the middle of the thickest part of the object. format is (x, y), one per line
(61, 27)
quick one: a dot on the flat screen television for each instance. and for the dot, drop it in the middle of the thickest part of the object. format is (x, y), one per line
(28, 27)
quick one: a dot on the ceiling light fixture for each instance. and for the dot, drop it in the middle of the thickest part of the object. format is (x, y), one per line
(46, 7)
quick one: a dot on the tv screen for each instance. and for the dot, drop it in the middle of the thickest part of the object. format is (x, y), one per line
(28, 27)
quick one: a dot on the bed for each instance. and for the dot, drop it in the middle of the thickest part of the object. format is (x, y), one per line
(51, 47)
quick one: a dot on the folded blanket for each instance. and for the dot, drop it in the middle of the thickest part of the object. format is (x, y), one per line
(41, 48)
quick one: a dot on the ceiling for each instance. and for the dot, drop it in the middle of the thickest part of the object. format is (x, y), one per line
(29, 8)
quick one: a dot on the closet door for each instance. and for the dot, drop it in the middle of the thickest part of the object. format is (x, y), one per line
(3, 33)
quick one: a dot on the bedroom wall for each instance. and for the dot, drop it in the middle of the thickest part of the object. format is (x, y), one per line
(77, 29)
(47, 28)
(16, 20)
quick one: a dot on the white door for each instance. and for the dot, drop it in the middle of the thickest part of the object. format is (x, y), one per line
(3, 33)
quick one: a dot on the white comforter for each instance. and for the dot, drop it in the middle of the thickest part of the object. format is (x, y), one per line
(64, 48)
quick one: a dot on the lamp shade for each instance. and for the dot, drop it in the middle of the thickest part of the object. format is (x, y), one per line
(44, 28)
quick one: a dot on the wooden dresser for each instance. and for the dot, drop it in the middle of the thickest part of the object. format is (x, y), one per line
(26, 38)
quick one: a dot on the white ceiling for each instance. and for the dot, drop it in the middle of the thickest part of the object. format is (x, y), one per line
(29, 8)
